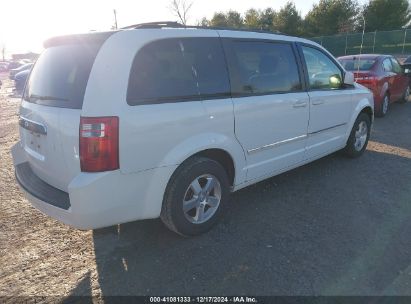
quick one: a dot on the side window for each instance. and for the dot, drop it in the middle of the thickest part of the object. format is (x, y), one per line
(262, 68)
(178, 70)
(323, 73)
(396, 66)
(387, 65)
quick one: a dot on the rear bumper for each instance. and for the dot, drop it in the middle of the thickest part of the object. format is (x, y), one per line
(32, 184)
(95, 200)
(377, 94)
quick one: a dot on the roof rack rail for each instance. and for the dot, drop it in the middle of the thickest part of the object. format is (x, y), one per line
(173, 24)
(159, 24)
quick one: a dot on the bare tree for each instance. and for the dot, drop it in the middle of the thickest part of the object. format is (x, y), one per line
(180, 9)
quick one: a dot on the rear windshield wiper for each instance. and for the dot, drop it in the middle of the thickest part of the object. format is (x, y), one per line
(34, 97)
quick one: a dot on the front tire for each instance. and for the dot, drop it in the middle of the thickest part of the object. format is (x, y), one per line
(359, 137)
(195, 196)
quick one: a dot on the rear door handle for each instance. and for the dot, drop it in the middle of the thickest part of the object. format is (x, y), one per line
(317, 102)
(300, 104)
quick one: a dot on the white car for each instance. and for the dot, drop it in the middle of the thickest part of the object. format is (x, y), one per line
(158, 121)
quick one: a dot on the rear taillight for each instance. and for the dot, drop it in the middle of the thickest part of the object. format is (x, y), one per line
(367, 78)
(99, 144)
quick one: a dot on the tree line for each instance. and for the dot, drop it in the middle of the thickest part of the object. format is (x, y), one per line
(327, 17)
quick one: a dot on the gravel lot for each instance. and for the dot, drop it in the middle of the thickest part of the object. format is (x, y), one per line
(333, 227)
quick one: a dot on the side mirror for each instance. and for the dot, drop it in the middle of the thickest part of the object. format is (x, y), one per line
(335, 81)
(349, 78)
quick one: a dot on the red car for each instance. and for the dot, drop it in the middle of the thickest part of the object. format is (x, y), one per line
(383, 75)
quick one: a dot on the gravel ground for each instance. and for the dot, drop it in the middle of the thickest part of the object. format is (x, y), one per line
(333, 227)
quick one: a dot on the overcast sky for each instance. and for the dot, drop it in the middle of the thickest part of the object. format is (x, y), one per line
(25, 24)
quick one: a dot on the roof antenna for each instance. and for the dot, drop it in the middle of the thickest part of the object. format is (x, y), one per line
(362, 43)
(115, 19)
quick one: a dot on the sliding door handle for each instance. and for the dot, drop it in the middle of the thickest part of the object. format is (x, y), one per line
(317, 102)
(300, 104)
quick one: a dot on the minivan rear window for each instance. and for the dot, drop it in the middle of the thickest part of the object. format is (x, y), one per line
(59, 77)
(178, 69)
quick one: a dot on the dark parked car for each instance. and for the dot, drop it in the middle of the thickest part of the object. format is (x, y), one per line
(14, 65)
(20, 80)
(407, 61)
(4, 67)
(383, 75)
(13, 72)
(406, 65)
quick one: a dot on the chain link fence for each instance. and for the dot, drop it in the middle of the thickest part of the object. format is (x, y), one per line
(385, 42)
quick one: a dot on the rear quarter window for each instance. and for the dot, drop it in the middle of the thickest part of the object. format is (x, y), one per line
(182, 69)
(59, 77)
(387, 65)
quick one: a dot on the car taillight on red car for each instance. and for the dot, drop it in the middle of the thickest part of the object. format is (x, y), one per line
(99, 144)
(368, 80)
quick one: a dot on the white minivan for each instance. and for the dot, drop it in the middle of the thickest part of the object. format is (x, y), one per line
(161, 120)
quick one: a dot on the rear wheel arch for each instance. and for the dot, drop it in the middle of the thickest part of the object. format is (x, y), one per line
(174, 212)
(405, 96)
(387, 92)
(385, 89)
(222, 157)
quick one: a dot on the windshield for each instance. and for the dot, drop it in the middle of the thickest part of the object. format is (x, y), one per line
(357, 64)
(59, 77)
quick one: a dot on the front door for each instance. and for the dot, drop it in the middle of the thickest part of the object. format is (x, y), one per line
(330, 103)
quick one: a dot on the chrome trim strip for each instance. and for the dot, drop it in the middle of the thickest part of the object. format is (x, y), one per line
(326, 129)
(32, 125)
(276, 144)
(282, 142)
(34, 154)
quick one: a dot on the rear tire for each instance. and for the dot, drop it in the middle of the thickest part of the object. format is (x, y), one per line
(195, 196)
(383, 108)
(405, 97)
(359, 137)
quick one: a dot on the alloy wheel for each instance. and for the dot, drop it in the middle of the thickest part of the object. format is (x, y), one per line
(202, 199)
(407, 94)
(385, 105)
(361, 135)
